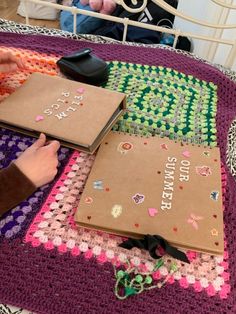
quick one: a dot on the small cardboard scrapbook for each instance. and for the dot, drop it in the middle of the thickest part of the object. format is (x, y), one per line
(77, 114)
(156, 186)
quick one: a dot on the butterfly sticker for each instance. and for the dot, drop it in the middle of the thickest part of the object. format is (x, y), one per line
(98, 185)
(204, 171)
(138, 198)
(193, 220)
(214, 195)
(206, 153)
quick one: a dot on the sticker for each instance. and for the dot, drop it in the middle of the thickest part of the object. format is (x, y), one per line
(206, 153)
(88, 200)
(116, 211)
(181, 187)
(107, 189)
(186, 154)
(89, 217)
(204, 171)
(138, 198)
(124, 147)
(39, 118)
(193, 220)
(214, 195)
(175, 229)
(164, 146)
(152, 211)
(158, 172)
(65, 94)
(98, 185)
(136, 225)
(214, 232)
(80, 90)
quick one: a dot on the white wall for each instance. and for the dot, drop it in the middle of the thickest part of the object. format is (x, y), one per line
(206, 10)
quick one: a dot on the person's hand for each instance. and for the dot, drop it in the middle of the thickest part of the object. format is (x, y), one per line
(39, 162)
(9, 63)
(102, 6)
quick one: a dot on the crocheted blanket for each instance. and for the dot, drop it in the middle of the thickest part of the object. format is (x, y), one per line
(47, 264)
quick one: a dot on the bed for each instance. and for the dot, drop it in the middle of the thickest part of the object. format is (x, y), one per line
(47, 264)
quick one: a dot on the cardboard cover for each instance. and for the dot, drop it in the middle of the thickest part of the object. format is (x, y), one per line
(77, 114)
(140, 186)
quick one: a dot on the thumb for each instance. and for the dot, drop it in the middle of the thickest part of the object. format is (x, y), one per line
(40, 141)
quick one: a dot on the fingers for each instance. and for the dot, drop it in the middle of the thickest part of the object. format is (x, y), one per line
(53, 146)
(9, 62)
(8, 67)
(96, 5)
(84, 2)
(40, 142)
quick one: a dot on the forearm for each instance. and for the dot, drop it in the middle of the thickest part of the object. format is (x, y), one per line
(14, 187)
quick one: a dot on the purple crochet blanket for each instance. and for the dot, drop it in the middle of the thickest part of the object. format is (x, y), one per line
(53, 279)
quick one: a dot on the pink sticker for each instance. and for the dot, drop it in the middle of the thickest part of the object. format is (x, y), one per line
(80, 90)
(152, 211)
(204, 171)
(186, 154)
(39, 118)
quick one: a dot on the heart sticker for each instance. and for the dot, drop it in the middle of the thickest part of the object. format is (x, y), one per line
(80, 90)
(152, 211)
(186, 154)
(39, 118)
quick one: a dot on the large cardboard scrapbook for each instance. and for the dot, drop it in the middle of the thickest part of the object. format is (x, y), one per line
(155, 186)
(79, 115)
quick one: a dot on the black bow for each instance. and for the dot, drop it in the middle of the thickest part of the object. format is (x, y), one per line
(153, 243)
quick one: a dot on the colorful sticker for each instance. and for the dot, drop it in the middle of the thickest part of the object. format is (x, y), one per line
(193, 220)
(186, 154)
(88, 200)
(214, 232)
(204, 171)
(206, 153)
(116, 211)
(152, 211)
(164, 146)
(138, 198)
(98, 185)
(39, 118)
(124, 147)
(214, 195)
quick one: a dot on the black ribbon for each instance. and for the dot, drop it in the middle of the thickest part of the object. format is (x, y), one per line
(152, 243)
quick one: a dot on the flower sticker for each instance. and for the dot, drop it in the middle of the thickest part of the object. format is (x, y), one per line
(98, 185)
(138, 198)
(204, 171)
(124, 147)
(214, 195)
(116, 211)
(193, 220)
